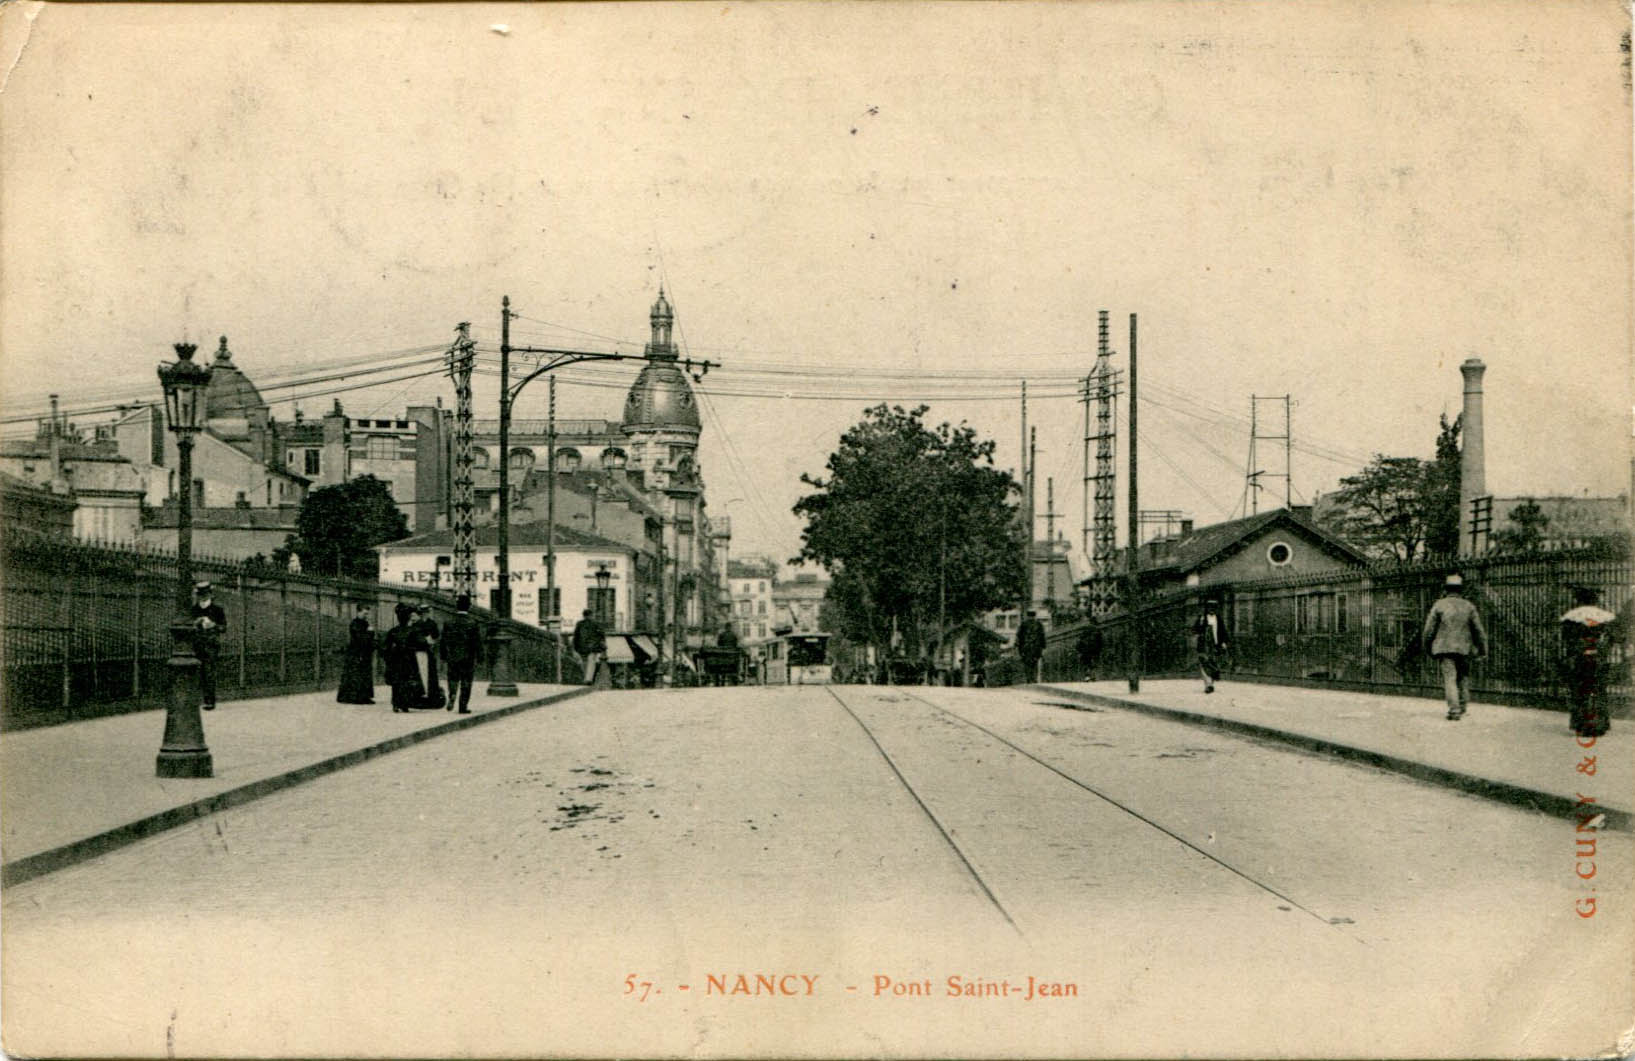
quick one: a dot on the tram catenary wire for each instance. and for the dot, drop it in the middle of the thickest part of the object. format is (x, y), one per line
(1092, 790)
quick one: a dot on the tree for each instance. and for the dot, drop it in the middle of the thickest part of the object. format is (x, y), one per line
(1526, 530)
(339, 526)
(917, 528)
(1403, 507)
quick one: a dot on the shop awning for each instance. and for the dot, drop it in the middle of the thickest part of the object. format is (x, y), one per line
(645, 644)
(619, 651)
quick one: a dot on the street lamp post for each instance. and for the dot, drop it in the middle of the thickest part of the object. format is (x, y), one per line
(183, 753)
(501, 684)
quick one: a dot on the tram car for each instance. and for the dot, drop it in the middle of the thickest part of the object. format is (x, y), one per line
(798, 659)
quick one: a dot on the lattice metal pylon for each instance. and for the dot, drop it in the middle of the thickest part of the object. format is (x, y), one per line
(1101, 386)
(461, 357)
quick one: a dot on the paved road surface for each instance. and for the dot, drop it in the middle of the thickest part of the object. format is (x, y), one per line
(846, 852)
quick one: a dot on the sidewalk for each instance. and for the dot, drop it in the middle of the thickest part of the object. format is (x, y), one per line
(73, 791)
(1516, 755)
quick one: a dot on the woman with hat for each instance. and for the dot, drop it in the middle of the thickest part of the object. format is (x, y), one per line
(1583, 629)
(403, 642)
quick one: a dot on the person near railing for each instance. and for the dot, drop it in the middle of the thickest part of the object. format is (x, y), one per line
(1584, 629)
(1454, 634)
(358, 666)
(460, 647)
(209, 620)
(403, 643)
(1030, 645)
(590, 641)
(1209, 636)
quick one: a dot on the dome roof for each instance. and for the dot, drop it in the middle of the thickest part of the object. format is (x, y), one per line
(231, 395)
(661, 399)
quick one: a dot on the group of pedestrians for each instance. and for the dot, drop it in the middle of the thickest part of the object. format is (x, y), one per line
(1455, 637)
(410, 653)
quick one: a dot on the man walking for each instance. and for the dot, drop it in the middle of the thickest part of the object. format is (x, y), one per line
(1454, 633)
(1209, 634)
(1030, 645)
(209, 620)
(460, 646)
(591, 643)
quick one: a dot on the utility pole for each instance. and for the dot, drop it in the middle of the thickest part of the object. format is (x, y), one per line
(1027, 513)
(1252, 483)
(1033, 464)
(1050, 541)
(500, 682)
(462, 356)
(553, 612)
(1102, 545)
(1133, 598)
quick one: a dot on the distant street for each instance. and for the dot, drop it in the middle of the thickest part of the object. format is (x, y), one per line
(709, 871)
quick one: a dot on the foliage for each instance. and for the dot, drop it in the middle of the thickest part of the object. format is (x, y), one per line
(916, 527)
(1526, 529)
(339, 526)
(1403, 507)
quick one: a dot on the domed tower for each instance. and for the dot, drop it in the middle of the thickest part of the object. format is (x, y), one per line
(233, 409)
(660, 413)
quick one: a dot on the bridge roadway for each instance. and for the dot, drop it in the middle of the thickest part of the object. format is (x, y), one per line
(836, 871)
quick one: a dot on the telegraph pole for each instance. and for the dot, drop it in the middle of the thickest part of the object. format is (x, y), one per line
(1133, 599)
(461, 358)
(500, 682)
(553, 613)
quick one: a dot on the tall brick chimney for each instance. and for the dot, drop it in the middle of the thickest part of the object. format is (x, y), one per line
(1472, 458)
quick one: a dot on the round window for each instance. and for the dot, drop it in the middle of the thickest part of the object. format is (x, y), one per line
(1279, 553)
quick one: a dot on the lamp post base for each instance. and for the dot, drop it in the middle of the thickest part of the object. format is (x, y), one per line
(499, 680)
(184, 762)
(183, 752)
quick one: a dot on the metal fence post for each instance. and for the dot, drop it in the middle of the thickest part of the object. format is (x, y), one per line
(283, 631)
(243, 633)
(317, 632)
(136, 639)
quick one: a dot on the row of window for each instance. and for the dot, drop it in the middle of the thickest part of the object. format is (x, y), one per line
(1314, 613)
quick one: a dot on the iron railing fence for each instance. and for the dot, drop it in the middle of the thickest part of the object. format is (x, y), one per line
(86, 629)
(1360, 628)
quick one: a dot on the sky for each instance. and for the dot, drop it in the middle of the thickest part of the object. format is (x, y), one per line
(1335, 202)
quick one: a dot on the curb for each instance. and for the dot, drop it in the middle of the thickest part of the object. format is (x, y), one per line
(49, 861)
(1549, 803)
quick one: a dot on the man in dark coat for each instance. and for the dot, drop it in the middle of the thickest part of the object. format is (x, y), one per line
(209, 620)
(590, 641)
(1454, 634)
(1030, 645)
(1209, 636)
(460, 648)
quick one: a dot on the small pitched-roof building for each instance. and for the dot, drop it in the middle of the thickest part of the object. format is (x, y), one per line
(1283, 542)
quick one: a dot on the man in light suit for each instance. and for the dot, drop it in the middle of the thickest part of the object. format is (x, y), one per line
(1454, 633)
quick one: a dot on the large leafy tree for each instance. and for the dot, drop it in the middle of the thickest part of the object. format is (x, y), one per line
(916, 526)
(1403, 507)
(339, 526)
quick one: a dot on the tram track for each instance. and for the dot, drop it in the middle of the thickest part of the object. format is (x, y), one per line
(968, 860)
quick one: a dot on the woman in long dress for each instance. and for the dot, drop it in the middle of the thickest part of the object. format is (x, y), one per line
(358, 667)
(403, 642)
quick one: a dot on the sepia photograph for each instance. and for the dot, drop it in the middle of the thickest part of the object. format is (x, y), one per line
(795, 529)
